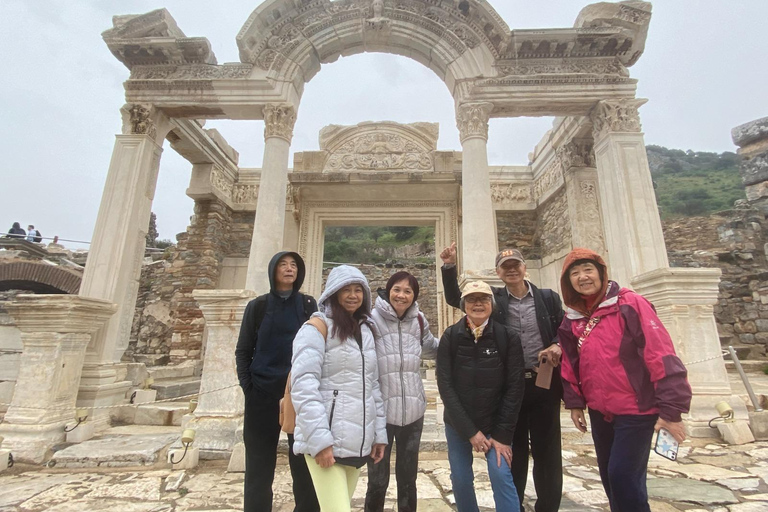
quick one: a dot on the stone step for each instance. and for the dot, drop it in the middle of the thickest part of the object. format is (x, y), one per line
(185, 369)
(127, 446)
(165, 414)
(175, 387)
(742, 352)
(749, 365)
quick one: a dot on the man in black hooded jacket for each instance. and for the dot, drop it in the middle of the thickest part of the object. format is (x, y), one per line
(263, 356)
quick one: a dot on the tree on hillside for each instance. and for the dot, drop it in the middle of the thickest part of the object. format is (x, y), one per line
(691, 201)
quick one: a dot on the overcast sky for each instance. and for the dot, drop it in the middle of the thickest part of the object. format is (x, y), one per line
(704, 72)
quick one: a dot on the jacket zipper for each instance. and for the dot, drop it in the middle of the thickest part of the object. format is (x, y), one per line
(333, 406)
(362, 356)
(402, 379)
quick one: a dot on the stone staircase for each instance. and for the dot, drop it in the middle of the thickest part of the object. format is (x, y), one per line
(170, 382)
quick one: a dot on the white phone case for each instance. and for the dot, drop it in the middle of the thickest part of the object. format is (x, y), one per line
(666, 445)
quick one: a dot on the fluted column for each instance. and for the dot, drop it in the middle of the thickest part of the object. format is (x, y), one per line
(478, 229)
(633, 235)
(270, 209)
(117, 249)
(582, 190)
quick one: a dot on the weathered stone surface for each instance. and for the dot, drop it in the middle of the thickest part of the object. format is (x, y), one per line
(237, 460)
(758, 423)
(736, 432)
(110, 450)
(691, 491)
(750, 132)
(754, 170)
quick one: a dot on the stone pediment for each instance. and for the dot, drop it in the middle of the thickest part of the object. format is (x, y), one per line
(384, 146)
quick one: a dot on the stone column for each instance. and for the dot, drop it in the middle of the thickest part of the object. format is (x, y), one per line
(270, 208)
(117, 249)
(55, 330)
(684, 300)
(582, 190)
(219, 413)
(633, 237)
(478, 247)
(752, 139)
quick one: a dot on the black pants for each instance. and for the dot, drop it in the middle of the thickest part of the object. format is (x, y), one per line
(622, 448)
(407, 439)
(261, 433)
(539, 419)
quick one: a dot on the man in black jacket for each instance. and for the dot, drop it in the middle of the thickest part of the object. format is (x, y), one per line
(263, 356)
(535, 316)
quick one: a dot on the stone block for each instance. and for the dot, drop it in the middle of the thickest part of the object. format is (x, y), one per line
(190, 460)
(145, 396)
(755, 170)
(750, 132)
(237, 460)
(758, 423)
(136, 373)
(736, 432)
(82, 432)
(173, 481)
(168, 414)
(5, 459)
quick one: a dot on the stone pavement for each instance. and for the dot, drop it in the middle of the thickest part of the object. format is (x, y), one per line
(708, 476)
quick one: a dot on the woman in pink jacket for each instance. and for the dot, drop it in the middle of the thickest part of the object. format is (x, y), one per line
(618, 361)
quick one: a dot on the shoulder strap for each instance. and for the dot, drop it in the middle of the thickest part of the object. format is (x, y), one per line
(420, 318)
(318, 324)
(260, 310)
(310, 306)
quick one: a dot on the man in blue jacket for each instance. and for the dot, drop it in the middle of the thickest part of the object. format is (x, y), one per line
(263, 356)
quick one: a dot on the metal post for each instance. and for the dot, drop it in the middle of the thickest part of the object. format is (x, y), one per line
(744, 379)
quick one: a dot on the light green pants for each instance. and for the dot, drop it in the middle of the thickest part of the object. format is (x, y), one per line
(334, 486)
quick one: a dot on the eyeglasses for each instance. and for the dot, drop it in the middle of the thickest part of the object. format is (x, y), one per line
(485, 299)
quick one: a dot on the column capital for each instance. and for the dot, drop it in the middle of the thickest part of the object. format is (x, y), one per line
(616, 116)
(279, 121)
(145, 119)
(576, 153)
(472, 120)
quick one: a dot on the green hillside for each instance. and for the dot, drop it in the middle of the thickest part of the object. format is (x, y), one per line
(694, 183)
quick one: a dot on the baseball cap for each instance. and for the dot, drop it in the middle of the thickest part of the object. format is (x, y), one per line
(476, 287)
(509, 254)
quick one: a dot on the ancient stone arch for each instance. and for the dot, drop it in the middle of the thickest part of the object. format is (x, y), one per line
(38, 278)
(587, 184)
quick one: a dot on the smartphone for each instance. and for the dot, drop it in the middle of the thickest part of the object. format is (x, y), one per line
(544, 376)
(666, 444)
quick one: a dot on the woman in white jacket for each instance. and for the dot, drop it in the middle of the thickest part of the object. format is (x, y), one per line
(340, 416)
(403, 340)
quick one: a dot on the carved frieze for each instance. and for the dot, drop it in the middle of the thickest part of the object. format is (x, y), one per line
(245, 194)
(563, 67)
(550, 178)
(510, 193)
(633, 15)
(588, 215)
(279, 121)
(472, 120)
(379, 151)
(616, 116)
(141, 121)
(221, 182)
(191, 72)
(576, 153)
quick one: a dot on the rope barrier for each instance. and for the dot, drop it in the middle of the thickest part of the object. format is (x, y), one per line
(707, 359)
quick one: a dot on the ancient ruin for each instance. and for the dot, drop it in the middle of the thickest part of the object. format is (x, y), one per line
(588, 184)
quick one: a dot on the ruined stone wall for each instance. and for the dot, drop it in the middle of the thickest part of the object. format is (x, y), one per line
(733, 241)
(152, 328)
(518, 230)
(378, 275)
(553, 229)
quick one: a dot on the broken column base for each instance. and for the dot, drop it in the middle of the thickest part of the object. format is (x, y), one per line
(190, 460)
(758, 423)
(82, 432)
(237, 460)
(735, 432)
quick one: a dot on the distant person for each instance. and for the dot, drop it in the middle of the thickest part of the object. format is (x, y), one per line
(16, 231)
(619, 361)
(403, 339)
(263, 357)
(33, 235)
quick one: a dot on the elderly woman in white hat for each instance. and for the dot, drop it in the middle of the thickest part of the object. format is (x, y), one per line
(480, 375)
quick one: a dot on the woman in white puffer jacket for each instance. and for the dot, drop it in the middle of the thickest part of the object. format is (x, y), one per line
(340, 415)
(403, 339)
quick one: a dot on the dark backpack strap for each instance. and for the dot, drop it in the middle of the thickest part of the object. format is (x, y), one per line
(420, 318)
(260, 311)
(310, 305)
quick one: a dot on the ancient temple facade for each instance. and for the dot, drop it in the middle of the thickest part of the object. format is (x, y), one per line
(588, 184)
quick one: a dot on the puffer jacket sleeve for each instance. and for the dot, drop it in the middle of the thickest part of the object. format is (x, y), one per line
(429, 341)
(451, 290)
(306, 371)
(512, 400)
(569, 364)
(380, 427)
(459, 418)
(668, 374)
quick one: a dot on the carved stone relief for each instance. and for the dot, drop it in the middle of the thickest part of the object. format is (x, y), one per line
(588, 216)
(245, 194)
(191, 72)
(279, 121)
(379, 151)
(510, 192)
(141, 121)
(616, 116)
(564, 66)
(221, 182)
(551, 177)
(472, 120)
(576, 153)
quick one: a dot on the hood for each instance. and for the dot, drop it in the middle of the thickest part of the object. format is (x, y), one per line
(571, 297)
(340, 277)
(299, 275)
(385, 307)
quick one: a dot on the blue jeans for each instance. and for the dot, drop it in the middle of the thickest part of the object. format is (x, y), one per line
(462, 476)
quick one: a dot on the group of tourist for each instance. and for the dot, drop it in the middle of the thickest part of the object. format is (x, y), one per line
(343, 377)
(30, 235)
